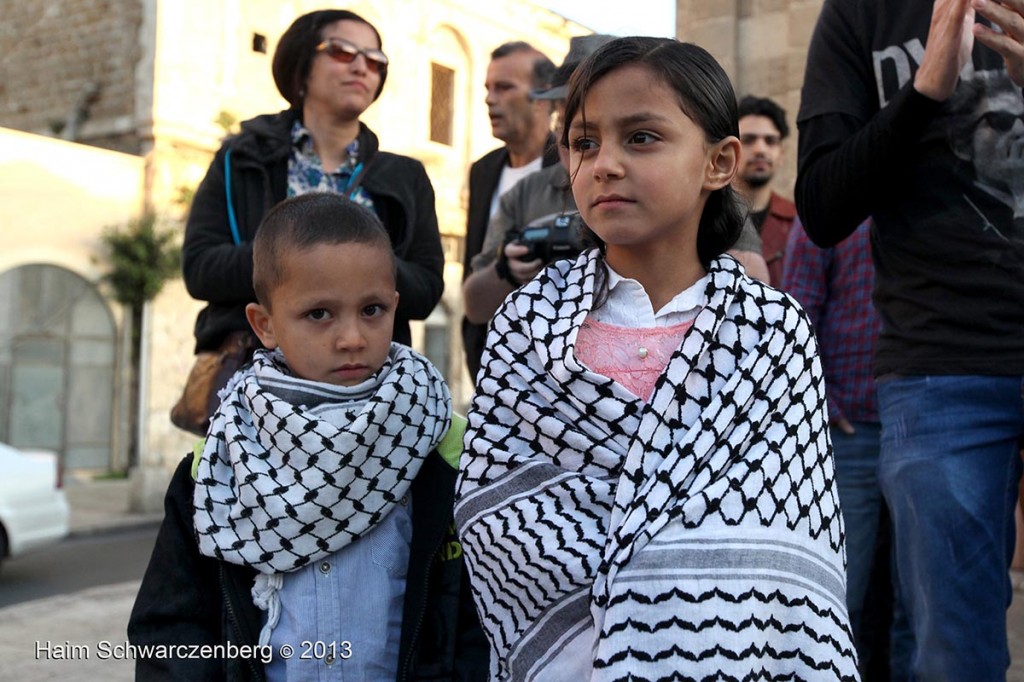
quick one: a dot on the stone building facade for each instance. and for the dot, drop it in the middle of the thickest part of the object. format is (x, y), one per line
(763, 46)
(69, 69)
(158, 81)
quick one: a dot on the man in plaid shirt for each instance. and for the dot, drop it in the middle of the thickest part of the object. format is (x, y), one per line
(834, 286)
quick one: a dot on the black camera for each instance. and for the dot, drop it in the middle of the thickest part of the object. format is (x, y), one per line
(550, 238)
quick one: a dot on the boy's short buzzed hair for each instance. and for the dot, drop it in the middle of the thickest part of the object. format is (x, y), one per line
(304, 221)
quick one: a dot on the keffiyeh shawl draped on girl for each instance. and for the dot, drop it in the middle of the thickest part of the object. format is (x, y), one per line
(280, 484)
(696, 536)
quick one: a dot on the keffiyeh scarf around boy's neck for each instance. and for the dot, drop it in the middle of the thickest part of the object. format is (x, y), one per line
(295, 470)
(694, 536)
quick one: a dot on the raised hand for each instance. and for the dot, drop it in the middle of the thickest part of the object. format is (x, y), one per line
(1008, 15)
(950, 41)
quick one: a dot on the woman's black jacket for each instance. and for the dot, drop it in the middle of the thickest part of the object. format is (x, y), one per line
(219, 271)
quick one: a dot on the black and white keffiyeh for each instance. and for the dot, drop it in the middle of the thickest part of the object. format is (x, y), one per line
(295, 470)
(693, 537)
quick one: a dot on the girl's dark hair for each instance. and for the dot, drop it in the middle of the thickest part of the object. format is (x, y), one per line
(705, 95)
(297, 47)
(305, 221)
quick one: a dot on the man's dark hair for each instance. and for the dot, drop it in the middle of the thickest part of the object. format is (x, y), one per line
(543, 68)
(293, 57)
(305, 221)
(762, 106)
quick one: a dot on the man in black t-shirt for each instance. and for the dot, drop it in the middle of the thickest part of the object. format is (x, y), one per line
(887, 128)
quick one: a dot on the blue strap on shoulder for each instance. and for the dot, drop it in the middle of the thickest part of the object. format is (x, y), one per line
(232, 221)
(351, 179)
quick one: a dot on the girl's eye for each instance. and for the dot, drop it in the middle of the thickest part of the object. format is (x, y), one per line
(318, 314)
(583, 144)
(642, 137)
(373, 310)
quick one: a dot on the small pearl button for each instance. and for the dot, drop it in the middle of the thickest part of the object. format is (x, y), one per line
(642, 352)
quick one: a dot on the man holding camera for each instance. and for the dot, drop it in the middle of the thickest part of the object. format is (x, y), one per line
(537, 221)
(537, 202)
(521, 124)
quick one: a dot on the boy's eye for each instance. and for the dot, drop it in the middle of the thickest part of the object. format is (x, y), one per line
(318, 314)
(373, 310)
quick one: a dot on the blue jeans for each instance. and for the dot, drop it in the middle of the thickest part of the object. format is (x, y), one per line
(860, 494)
(949, 469)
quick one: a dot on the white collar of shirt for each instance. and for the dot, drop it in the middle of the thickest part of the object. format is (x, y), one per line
(628, 304)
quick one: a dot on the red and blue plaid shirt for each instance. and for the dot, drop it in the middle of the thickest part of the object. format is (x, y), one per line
(834, 286)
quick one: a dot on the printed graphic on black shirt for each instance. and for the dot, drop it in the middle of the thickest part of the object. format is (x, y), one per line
(986, 128)
(984, 123)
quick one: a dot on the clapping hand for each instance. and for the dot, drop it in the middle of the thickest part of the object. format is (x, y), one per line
(1008, 15)
(948, 48)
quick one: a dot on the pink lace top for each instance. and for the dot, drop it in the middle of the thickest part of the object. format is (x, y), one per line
(632, 357)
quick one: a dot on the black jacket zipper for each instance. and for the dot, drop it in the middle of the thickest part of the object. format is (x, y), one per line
(236, 626)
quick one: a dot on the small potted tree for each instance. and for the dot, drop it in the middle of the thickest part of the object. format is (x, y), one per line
(142, 257)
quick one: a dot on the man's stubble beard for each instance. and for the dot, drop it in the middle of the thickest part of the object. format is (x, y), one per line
(756, 181)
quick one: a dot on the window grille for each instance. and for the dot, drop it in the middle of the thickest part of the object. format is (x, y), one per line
(442, 108)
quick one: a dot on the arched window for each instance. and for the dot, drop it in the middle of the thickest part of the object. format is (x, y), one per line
(57, 358)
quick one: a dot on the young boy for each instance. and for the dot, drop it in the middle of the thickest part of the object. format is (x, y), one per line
(313, 536)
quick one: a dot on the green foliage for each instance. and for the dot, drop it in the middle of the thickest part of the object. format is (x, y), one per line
(185, 196)
(143, 258)
(228, 121)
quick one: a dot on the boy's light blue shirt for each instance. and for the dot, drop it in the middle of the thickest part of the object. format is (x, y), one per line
(342, 615)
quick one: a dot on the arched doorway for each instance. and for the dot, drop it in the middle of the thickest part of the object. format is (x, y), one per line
(57, 359)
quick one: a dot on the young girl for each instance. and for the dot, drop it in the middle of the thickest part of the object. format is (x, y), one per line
(647, 491)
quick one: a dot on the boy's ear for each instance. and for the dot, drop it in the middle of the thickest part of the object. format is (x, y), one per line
(723, 162)
(259, 320)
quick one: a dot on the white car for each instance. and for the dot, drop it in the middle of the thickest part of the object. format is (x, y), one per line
(33, 508)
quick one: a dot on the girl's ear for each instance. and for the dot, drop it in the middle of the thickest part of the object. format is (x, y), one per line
(723, 161)
(259, 320)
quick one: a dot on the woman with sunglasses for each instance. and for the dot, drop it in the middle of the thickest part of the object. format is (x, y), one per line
(330, 68)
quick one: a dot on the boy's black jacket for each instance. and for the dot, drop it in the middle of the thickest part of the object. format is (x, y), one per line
(188, 598)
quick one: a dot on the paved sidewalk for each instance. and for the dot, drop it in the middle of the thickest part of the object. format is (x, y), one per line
(99, 505)
(77, 637)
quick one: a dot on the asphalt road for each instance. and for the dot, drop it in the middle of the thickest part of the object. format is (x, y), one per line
(76, 564)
